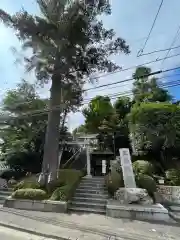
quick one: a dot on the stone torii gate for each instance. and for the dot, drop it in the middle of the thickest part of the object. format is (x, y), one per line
(84, 142)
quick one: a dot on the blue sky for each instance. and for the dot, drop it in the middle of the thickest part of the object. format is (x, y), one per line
(131, 20)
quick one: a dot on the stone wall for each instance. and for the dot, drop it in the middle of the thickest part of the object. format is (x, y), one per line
(169, 194)
(34, 205)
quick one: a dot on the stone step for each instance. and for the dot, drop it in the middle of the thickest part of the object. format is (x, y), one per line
(6, 193)
(7, 189)
(175, 216)
(175, 208)
(89, 199)
(92, 180)
(91, 195)
(91, 188)
(84, 184)
(93, 191)
(2, 201)
(88, 205)
(87, 210)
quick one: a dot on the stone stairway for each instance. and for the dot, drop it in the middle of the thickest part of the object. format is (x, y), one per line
(90, 196)
(174, 212)
(4, 193)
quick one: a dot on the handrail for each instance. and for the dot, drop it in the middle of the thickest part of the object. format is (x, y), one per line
(71, 158)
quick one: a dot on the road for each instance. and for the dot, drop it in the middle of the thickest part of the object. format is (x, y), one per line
(9, 234)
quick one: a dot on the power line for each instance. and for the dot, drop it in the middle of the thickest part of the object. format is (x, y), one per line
(160, 50)
(124, 85)
(171, 46)
(142, 49)
(130, 79)
(58, 107)
(115, 83)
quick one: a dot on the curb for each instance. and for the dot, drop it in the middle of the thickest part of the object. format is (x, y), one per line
(33, 232)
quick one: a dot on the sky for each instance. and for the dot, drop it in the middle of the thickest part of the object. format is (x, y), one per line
(131, 20)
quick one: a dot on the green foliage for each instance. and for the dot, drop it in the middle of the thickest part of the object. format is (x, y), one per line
(70, 179)
(55, 184)
(143, 167)
(98, 110)
(173, 177)
(69, 175)
(114, 181)
(27, 184)
(155, 126)
(62, 193)
(23, 136)
(8, 174)
(146, 89)
(30, 193)
(67, 42)
(146, 182)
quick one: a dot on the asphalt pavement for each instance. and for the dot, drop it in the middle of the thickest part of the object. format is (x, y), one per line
(9, 234)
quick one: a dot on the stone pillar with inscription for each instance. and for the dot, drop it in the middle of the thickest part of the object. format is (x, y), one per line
(130, 193)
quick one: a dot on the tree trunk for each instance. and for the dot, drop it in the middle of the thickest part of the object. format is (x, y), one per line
(51, 146)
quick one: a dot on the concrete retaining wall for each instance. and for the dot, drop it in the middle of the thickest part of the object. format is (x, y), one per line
(169, 194)
(44, 206)
(154, 213)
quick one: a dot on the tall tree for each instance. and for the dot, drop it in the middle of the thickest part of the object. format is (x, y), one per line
(69, 42)
(23, 134)
(98, 110)
(146, 88)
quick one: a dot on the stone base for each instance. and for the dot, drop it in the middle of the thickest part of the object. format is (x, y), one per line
(133, 195)
(43, 206)
(137, 212)
(88, 176)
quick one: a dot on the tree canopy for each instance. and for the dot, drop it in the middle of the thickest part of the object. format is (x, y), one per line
(68, 42)
(146, 88)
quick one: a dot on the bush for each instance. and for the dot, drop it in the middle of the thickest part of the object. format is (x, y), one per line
(143, 167)
(27, 184)
(173, 177)
(148, 183)
(69, 175)
(30, 193)
(114, 181)
(62, 193)
(8, 174)
(70, 179)
(55, 184)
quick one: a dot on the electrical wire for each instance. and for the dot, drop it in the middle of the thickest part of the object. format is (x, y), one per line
(171, 46)
(110, 84)
(160, 50)
(154, 22)
(58, 107)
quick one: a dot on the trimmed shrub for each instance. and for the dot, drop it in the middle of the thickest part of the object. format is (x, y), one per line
(143, 167)
(173, 177)
(61, 193)
(30, 193)
(148, 183)
(69, 175)
(114, 181)
(70, 179)
(55, 184)
(27, 184)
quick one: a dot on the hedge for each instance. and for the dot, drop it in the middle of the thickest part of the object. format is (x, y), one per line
(30, 193)
(71, 179)
(27, 184)
(114, 180)
(143, 167)
(148, 183)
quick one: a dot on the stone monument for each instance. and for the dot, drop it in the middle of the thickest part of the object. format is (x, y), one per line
(130, 193)
(132, 202)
